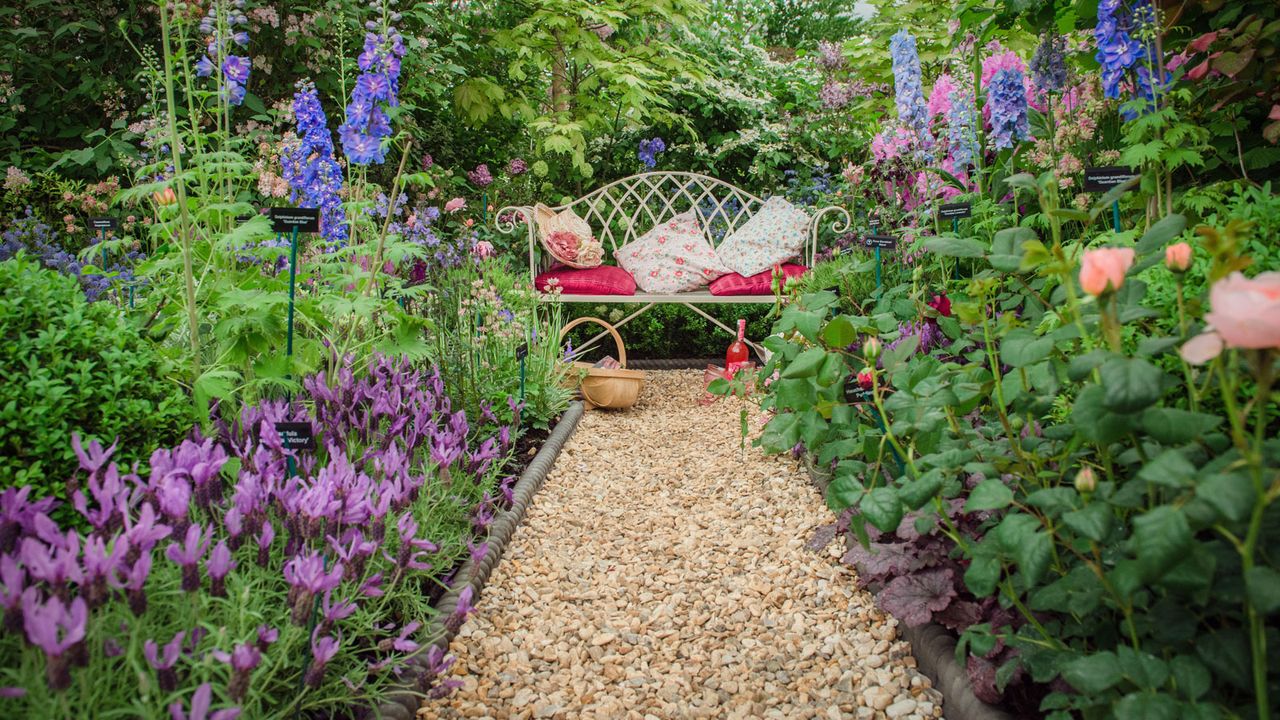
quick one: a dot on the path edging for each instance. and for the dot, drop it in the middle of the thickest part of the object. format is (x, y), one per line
(403, 704)
(932, 645)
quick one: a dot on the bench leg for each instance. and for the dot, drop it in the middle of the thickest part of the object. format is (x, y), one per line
(617, 326)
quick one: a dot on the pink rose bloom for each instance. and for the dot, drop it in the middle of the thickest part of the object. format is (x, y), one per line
(482, 249)
(1177, 257)
(1103, 270)
(455, 205)
(1244, 313)
(563, 244)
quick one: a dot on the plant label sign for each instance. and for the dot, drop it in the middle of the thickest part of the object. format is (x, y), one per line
(955, 211)
(103, 223)
(296, 435)
(522, 352)
(1102, 179)
(304, 220)
(244, 218)
(883, 242)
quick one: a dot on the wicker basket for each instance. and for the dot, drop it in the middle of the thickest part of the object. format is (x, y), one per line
(615, 389)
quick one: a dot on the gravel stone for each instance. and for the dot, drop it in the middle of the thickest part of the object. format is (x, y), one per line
(661, 573)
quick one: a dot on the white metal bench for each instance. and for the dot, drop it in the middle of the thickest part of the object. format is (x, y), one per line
(625, 209)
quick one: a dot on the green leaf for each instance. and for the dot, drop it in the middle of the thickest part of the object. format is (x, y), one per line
(990, 494)
(1174, 426)
(1021, 348)
(1231, 494)
(916, 493)
(1170, 469)
(955, 247)
(1160, 537)
(1092, 521)
(839, 333)
(1262, 585)
(1093, 674)
(882, 508)
(1020, 535)
(982, 575)
(1093, 421)
(806, 364)
(1147, 706)
(1191, 676)
(1159, 235)
(1131, 384)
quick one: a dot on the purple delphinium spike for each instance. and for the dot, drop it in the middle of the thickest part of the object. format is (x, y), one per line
(323, 649)
(242, 660)
(188, 556)
(200, 702)
(218, 566)
(163, 661)
(56, 629)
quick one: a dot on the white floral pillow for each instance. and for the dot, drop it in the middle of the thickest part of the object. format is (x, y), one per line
(775, 234)
(672, 257)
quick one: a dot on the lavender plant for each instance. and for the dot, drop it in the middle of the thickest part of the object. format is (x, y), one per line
(273, 592)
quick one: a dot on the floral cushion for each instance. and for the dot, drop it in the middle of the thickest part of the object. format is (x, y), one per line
(601, 280)
(758, 284)
(775, 234)
(672, 257)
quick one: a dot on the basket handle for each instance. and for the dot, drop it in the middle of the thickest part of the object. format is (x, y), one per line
(617, 339)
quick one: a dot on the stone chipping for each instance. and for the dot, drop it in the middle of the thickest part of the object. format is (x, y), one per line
(661, 573)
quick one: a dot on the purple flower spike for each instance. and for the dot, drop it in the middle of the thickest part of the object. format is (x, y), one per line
(218, 566)
(265, 538)
(335, 611)
(242, 661)
(163, 662)
(461, 610)
(188, 556)
(323, 650)
(55, 629)
(402, 642)
(307, 578)
(95, 458)
(13, 581)
(200, 702)
(266, 636)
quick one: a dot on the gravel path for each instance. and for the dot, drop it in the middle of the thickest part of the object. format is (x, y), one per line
(660, 575)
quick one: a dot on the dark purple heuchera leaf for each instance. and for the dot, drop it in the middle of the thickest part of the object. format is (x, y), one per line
(959, 615)
(914, 598)
(881, 561)
(822, 537)
(982, 675)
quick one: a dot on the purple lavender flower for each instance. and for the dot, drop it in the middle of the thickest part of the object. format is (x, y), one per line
(13, 581)
(134, 582)
(99, 565)
(265, 538)
(57, 630)
(163, 661)
(461, 610)
(478, 552)
(480, 177)
(311, 170)
(438, 663)
(402, 642)
(1007, 104)
(307, 578)
(54, 565)
(17, 515)
(218, 566)
(323, 650)
(334, 611)
(200, 702)
(242, 660)
(267, 635)
(188, 556)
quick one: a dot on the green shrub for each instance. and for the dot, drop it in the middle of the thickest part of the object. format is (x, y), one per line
(68, 366)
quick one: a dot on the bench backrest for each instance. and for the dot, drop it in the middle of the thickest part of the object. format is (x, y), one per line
(625, 209)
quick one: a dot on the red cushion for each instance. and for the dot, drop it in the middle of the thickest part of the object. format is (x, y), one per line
(758, 284)
(600, 280)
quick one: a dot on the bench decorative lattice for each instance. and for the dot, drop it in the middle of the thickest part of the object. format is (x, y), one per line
(625, 209)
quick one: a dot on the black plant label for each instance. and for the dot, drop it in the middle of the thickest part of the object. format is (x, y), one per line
(103, 223)
(955, 211)
(283, 220)
(884, 242)
(1102, 179)
(522, 352)
(296, 435)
